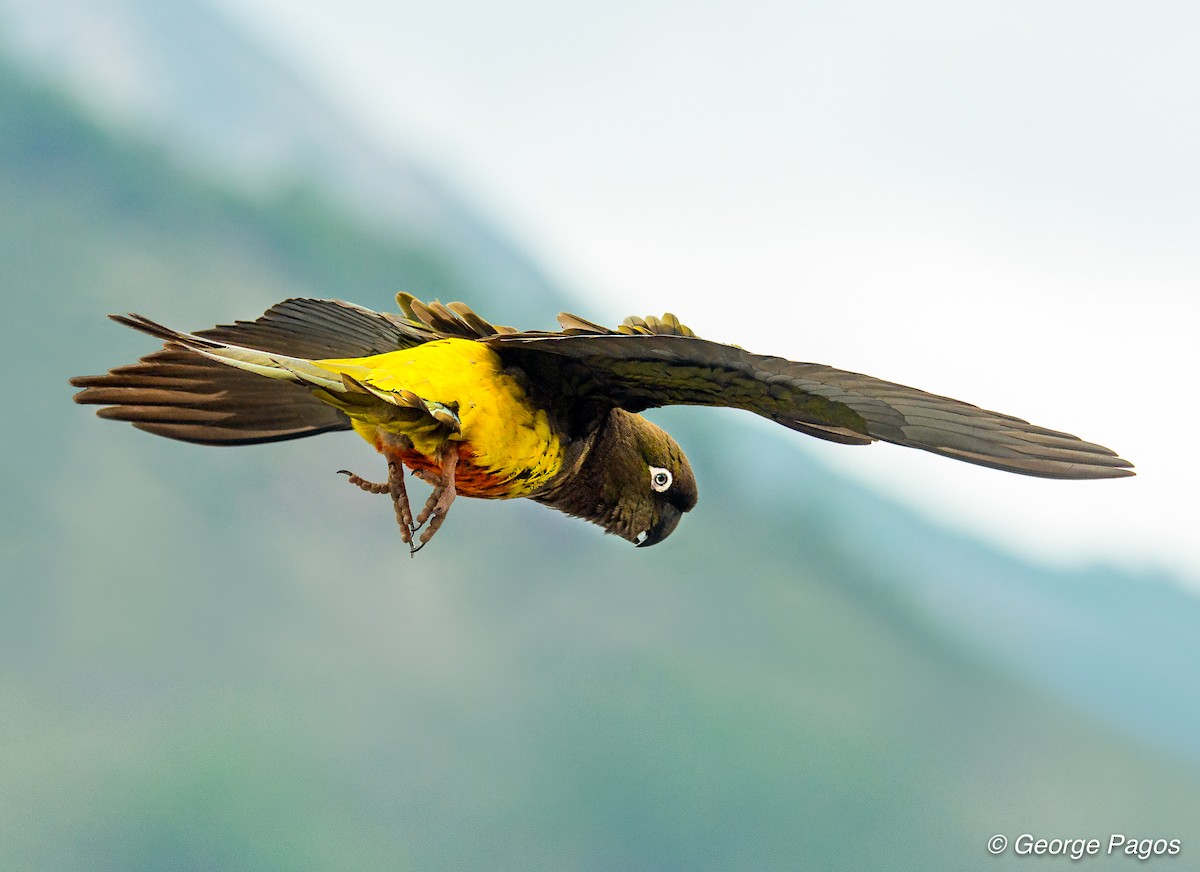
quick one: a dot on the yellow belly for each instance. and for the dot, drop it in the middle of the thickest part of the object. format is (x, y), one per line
(506, 443)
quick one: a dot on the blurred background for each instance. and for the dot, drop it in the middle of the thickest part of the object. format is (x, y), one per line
(844, 658)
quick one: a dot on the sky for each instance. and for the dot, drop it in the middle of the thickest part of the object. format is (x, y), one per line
(996, 201)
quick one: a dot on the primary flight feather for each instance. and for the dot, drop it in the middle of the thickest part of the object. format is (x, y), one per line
(486, 411)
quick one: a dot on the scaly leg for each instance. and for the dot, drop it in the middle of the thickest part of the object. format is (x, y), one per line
(439, 502)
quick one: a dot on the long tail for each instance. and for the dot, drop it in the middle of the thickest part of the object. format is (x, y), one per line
(296, 370)
(245, 383)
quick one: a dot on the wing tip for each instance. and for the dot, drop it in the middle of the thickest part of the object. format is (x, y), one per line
(1103, 467)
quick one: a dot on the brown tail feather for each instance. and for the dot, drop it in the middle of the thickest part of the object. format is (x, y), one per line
(181, 395)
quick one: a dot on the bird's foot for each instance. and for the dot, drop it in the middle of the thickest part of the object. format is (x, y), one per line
(395, 488)
(439, 502)
(404, 516)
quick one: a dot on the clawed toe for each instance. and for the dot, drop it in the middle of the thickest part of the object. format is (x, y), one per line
(439, 502)
(360, 482)
(436, 507)
(395, 488)
(435, 511)
(400, 501)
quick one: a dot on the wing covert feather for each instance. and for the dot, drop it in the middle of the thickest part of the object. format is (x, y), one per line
(316, 329)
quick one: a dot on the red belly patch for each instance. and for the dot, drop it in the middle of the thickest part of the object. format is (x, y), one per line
(469, 480)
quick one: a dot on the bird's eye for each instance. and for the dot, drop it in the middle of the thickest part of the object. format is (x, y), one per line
(660, 479)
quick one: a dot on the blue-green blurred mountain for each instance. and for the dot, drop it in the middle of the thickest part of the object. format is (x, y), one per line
(178, 74)
(225, 659)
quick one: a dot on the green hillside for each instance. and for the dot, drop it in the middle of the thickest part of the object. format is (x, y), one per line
(225, 659)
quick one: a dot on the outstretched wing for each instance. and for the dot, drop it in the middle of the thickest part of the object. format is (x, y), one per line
(658, 362)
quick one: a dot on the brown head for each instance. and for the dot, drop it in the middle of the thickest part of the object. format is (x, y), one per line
(631, 478)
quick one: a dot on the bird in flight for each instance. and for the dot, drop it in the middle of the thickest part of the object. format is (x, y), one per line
(481, 410)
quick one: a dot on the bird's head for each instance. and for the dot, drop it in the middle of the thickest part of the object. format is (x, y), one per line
(632, 479)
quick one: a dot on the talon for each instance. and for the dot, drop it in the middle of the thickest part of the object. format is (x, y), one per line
(439, 515)
(430, 506)
(439, 502)
(395, 486)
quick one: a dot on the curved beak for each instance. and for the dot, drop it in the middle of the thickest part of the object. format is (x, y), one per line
(665, 526)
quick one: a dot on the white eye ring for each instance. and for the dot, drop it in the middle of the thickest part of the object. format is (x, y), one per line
(660, 479)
